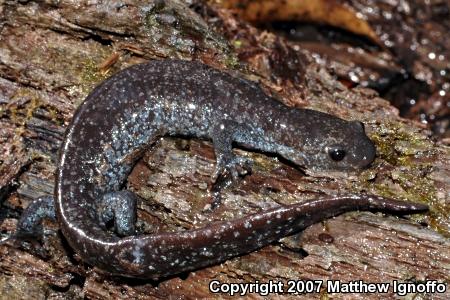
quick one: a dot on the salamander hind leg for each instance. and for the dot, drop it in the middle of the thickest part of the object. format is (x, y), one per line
(120, 208)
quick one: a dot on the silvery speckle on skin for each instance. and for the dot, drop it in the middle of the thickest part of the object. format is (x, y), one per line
(128, 112)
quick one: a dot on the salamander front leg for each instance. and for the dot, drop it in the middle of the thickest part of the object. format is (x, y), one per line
(228, 166)
(29, 227)
(227, 163)
(119, 207)
(30, 222)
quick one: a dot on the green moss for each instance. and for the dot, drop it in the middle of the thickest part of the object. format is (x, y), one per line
(91, 76)
(29, 101)
(397, 144)
(231, 61)
(237, 44)
(411, 156)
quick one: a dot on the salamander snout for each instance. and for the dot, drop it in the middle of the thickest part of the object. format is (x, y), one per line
(365, 153)
(327, 143)
(362, 149)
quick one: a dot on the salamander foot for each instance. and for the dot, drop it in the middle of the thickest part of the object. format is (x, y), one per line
(119, 207)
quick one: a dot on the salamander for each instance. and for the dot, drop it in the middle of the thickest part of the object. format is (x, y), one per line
(131, 110)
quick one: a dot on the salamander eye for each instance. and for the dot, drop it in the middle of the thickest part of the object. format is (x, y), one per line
(337, 154)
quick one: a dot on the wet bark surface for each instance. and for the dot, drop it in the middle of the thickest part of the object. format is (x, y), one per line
(53, 53)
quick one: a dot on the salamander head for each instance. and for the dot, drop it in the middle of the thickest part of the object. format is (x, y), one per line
(328, 143)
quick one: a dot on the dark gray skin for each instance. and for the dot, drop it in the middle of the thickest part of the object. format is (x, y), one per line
(128, 112)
